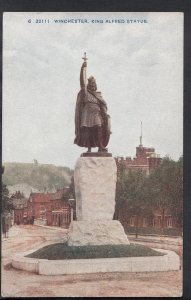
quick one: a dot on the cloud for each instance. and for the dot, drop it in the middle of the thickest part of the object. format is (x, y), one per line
(138, 69)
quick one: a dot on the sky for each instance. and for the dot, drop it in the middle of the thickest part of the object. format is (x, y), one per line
(137, 60)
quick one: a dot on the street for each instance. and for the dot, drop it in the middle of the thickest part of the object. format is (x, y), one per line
(17, 283)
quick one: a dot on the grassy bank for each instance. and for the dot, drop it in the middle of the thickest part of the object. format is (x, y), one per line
(63, 251)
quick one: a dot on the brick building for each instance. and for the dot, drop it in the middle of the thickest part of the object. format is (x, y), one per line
(20, 210)
(158, 220)
(39, 208)
(60, 207)
(146, 159)
(52, 209)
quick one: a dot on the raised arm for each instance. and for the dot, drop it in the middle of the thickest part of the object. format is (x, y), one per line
(83, 76)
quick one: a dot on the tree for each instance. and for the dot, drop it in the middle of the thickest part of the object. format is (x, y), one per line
(177, 210)
(70, 194)
(7, 203)
(72, 189)
(165, 185)
(71, 197)
(17, 195)
(131, 193)
(141, 195)
(35, 162)
(7, 207)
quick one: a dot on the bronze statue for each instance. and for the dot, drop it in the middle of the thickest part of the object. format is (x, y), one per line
(92, 123)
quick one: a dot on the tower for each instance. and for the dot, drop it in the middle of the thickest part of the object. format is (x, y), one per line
(141, 137)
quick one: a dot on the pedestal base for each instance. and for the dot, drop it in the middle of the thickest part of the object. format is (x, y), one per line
(96, 154)
(100, 232)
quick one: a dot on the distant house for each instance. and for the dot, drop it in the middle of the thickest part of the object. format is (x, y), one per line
(20, 208)
(159, 219)
(39, 208)
(60, 207)
(51, 209)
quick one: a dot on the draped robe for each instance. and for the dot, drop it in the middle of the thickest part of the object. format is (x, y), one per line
(91, 120)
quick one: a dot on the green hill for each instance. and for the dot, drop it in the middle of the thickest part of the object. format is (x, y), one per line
(37, 176)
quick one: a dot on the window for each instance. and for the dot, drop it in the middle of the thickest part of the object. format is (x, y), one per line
(42, 212)
(169, 222)
(144, 222)
(157, 222)
(133, 221)
(42, 208)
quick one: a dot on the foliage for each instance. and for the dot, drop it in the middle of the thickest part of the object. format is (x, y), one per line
(165, 186)
(7, 204)
(70, 194)
(63, 251)
(35, 161)
(131, 192)
(142, 194)
(18, 195)
(38, 176)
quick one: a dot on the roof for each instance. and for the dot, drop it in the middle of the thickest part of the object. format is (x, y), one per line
(41, 197)
(47, 197)
(59, 194)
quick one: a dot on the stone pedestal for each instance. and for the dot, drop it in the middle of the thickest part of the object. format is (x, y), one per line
(95, 184)
(100, 232)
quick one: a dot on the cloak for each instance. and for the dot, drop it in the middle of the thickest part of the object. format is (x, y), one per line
(78, 112)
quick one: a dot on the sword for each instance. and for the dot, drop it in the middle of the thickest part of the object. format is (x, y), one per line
(84, 73)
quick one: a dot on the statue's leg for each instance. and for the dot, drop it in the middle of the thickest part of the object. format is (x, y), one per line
(88, 137)
(100, 140)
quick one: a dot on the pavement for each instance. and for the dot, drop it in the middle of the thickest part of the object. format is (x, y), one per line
(164, 242)
(18, 283)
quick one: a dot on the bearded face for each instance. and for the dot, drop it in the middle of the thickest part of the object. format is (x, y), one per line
(92, 86)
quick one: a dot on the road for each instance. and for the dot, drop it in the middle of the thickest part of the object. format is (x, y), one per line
(18, 283)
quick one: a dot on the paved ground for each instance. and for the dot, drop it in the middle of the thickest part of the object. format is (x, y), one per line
(17, 283)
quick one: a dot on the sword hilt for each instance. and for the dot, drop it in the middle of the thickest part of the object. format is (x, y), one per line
(85, 57)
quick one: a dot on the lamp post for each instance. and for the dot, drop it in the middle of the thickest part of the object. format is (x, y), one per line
(136, 231)
(137, 211)
(71, 202)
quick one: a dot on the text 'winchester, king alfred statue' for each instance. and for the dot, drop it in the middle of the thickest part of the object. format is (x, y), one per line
(92, 123)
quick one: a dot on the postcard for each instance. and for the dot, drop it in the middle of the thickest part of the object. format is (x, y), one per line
(92, 154)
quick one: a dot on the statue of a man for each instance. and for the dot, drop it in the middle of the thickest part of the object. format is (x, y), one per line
(92, 124)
